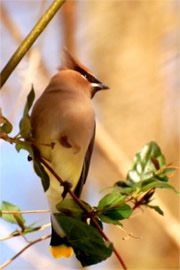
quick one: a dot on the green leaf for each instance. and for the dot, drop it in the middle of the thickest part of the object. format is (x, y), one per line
(25, 123)
(30, 99)
(5, 126)
(147, 197)
(70, 208)
(147, 182)
(146, 163)
(88, 244)
(110, 199)
(169, 170)
(118, 213)
(157, 209)
(30, 229)
(122, 184)
(162, 177)
(12, 218)
(25, 127)
(40, 171)
(123, 189)
(27, 229)
(156, 184)
(23, 145)
(108, 220)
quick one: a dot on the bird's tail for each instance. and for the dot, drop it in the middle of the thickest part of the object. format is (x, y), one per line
(59, 246)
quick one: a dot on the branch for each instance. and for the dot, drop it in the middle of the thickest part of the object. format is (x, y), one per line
(39, 228)
(107, 239)
(89, 214)
(76, 199)
(29, 40)
(24, 212)
(22, 250)
(16, 139)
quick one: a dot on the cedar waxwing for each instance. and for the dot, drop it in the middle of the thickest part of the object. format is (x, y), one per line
(64, 116)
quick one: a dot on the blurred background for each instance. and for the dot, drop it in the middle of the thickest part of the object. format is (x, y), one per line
(132, 46)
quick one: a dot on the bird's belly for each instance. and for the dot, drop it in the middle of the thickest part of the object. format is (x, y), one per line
(68, 165)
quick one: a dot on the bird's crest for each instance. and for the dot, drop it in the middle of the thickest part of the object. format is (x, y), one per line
(70, 62)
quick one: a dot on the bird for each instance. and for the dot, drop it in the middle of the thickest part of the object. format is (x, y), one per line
(64, 115)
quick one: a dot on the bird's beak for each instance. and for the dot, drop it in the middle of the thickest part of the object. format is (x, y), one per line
(104, 86)
(99, 86)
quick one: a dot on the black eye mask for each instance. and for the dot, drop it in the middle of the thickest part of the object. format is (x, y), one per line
(88, 76)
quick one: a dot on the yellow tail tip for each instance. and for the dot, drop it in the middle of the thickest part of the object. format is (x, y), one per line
(61, 251)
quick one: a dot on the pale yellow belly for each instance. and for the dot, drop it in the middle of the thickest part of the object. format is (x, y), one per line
(68, 165)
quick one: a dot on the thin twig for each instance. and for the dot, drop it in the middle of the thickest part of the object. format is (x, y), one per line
(128, 234)
(141, 200)
(89, 214)
(18, 139)
(76, 199)
(39, 228)
(22, 250)
(23, 236)
(29, 40)
(23, 212)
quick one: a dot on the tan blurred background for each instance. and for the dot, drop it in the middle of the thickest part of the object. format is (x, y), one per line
(132, 46)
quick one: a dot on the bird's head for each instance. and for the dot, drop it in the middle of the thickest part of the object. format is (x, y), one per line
(71, 63)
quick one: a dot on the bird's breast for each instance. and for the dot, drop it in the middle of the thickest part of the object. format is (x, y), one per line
(68, 123)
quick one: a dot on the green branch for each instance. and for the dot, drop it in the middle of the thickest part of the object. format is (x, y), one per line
(29, 40)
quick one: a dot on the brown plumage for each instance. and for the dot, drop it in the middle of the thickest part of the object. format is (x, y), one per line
(64, 115)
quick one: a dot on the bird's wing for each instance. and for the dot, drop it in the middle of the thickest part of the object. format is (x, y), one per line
(86, 165)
